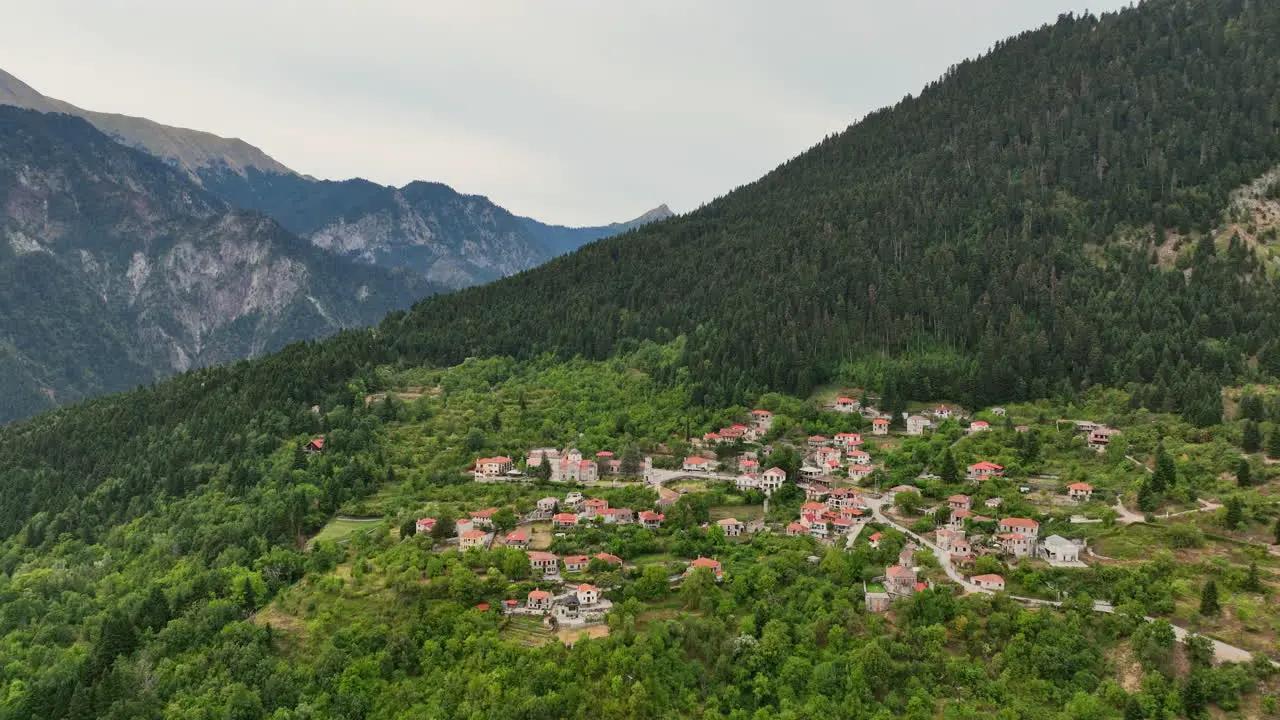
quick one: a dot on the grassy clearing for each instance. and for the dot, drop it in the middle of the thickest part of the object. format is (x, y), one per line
(525, 630)
(653, 559)
(571, 636)
(540, 535)
(744, 513)
(340, 529)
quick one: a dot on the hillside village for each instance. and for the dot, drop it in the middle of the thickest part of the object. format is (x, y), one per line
(857, 491)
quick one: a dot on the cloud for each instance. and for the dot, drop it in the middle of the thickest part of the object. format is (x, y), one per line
(570, 111)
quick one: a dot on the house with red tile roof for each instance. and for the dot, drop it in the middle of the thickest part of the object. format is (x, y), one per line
(544, 562)
(824, 455)
(763, 419)
(518, 538)
(539, 600)
(1080, 491)
(617, 516)
(651, 520)
(875, 539)
(316, 445)
(1015, 544)
(848, 440)
(564, 521)
(493, 467)
(960, 502)
(796, 529)
(984, 469)
(483, 518)
(772, 479)
(900, 580)
(424, 526)
(605, 557)
(732, 527)
(576, 563)
(1030, 528)
(472, 538)
(847, 405)
(988, 582)
(592, 507)
(860, 472)
(703, 562)
(942, 412)
(880, 426)
(956, 521)
(1100, 437)
(979, 426)
(587, 594)
(698, 464)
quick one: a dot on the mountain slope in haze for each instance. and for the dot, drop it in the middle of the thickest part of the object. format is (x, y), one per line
(559, 240)
(190, 150)
(116, 269)
(452, 239)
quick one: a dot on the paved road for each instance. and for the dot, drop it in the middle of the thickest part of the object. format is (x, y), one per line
(1222, 651)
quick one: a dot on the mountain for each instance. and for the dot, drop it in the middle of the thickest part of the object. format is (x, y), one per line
(558, 239)
(1055, 214)
(452, 239)
(1092, 202)
(116, 269)
(190, 150)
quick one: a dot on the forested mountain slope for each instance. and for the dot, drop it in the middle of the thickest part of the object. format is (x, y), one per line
(116, 269)
(980, 217)
(995, 222)
(1008, 216)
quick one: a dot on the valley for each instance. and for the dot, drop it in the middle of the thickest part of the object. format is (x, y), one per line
(970, 410)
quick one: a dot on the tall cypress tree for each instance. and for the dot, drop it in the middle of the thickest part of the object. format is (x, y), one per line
(947, 468)
(1165, 475)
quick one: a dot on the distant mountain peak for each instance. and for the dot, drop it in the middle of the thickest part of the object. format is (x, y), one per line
(188, 150)
(662, 212)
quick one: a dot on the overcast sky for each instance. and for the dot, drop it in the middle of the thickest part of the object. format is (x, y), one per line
(578, 113)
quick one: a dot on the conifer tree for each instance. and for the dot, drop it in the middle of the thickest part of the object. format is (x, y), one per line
(1148, 499)
(1209, 599)
(1165, 475)
(1252, 437)
(1244, 474)
(947, 468)
(1234, 513)
(1273, 443)
(1253, 581)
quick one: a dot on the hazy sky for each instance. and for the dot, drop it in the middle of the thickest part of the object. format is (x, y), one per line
(577, 112)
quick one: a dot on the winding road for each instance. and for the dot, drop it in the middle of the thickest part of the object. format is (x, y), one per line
(1222, 652)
